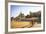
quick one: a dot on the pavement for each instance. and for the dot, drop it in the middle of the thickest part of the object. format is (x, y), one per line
(36, 25)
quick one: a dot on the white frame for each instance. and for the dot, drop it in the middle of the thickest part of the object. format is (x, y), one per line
(24, 29)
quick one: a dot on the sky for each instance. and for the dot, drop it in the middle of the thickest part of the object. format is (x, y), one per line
(16, 9)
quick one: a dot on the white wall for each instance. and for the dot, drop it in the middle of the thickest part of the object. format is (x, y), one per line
(2, 17)
(2, 12)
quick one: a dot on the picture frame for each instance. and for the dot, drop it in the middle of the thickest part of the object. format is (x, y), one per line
(28, 29)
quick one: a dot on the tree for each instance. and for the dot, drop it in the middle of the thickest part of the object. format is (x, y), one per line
(34, 15)
(31, 14)
(12, 18)
(39, 16)
(21, 15)
(27, 16)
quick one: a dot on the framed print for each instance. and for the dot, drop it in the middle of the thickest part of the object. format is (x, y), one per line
(25, 16)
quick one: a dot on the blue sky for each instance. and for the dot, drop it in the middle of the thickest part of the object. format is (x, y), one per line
(16, 9)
